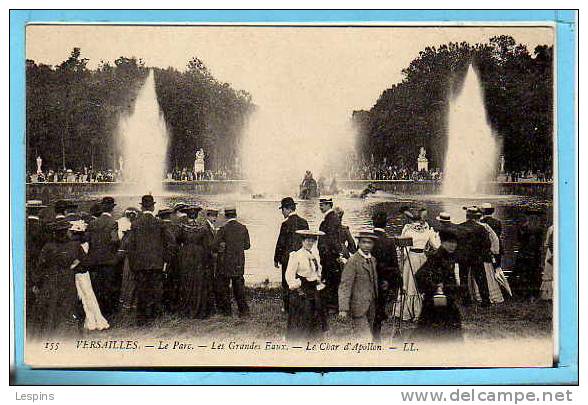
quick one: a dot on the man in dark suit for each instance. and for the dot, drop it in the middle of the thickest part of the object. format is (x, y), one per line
(211, 255)
(387, 268)
(149, 249)
(288, 241)
(102, 258)
(331, 253)
(231, 242)
(472, 251)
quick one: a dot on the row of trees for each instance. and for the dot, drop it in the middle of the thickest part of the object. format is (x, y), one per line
(518, 90)
(72, 112)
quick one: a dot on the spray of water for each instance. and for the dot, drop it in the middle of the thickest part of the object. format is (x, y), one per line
(143, 140)
(282, 141)
(472, 150)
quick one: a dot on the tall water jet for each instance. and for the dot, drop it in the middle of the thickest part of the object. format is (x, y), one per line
(472, 150)
(143, 140)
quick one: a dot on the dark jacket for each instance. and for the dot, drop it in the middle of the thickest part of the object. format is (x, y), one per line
(494, 223)
(387, 260)
(439, 268)
(231, 242)
(103, 241)
(473, 244)
(330, 245)
(150, 244)
(288, 239)
(359, 285)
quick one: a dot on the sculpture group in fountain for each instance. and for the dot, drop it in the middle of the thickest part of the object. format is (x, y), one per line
(199, 163)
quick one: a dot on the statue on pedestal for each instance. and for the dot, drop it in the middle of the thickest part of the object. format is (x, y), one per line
(120, 163)
(39, 163)
(199, 163)
(422, 161)
(502, 160)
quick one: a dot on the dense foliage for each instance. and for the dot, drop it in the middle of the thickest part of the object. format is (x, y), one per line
(72, 112)
(518, 90)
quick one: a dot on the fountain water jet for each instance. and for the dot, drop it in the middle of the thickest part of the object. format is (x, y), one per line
(143, 139)
(472, 150)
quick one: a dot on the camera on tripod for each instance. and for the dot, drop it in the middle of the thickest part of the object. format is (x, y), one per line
(403, 242)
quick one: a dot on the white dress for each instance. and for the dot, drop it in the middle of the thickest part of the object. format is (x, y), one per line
(547, 278)
(423, 236)
(94, 319)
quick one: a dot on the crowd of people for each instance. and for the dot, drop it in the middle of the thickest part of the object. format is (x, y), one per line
(79, 176)
(89, 270)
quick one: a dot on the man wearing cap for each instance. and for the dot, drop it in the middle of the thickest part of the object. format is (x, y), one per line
(358, 291)
(473, 250)
(102, 257)
(389, 276)
(231, 242)
(288, 241)
(331, 253)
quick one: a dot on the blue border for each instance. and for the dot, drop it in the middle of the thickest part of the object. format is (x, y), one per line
(566, 26)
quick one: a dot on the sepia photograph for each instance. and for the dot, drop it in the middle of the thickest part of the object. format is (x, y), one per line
(286, 196)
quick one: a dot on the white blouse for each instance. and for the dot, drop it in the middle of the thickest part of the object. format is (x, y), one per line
(421, 234)
(305, 264)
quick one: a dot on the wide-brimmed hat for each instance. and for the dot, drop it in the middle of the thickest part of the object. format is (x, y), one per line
(107, 202)
(309, 233)
(164, 211)
(179, 206)
(60, 225)
(472, 210)
(147, 201)
(486, 208)
(231, 210)
(35, 204)
(78, 226)
(287, 202)
(444, 217)
(366, 234)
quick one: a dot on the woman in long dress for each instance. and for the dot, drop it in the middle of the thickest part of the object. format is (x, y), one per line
(424, 237)
(306, 319)
(193, 271)
(58, 263)
(547, 277)
(494, 290)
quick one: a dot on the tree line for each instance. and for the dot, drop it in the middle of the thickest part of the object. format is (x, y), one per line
(72, 112)
(518, 92)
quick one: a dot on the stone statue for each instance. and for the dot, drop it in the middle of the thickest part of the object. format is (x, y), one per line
(120, 163)
(502, 161)
(39, 163)
(422, 161)
(199, 162)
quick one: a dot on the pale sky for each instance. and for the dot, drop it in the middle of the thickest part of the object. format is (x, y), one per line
(347, 68)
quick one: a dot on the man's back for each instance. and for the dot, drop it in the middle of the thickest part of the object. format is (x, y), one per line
(147, 243)
(103, 240)
(329, 244)
(289, 240)
(236, 239)
(385, 253)
(474, 242)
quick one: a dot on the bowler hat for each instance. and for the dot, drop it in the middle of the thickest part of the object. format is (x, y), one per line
(326, 200)
(147, 201)
(60, 225)
(230, 211)
(287, 202)
(107, 202)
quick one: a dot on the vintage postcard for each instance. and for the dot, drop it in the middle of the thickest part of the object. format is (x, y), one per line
(290, 196)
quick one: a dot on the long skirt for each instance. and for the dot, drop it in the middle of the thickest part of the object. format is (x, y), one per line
(409, 304)
(494, 290)
(128, 296)
(93, 316)
(305, 316)
(194, 279)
